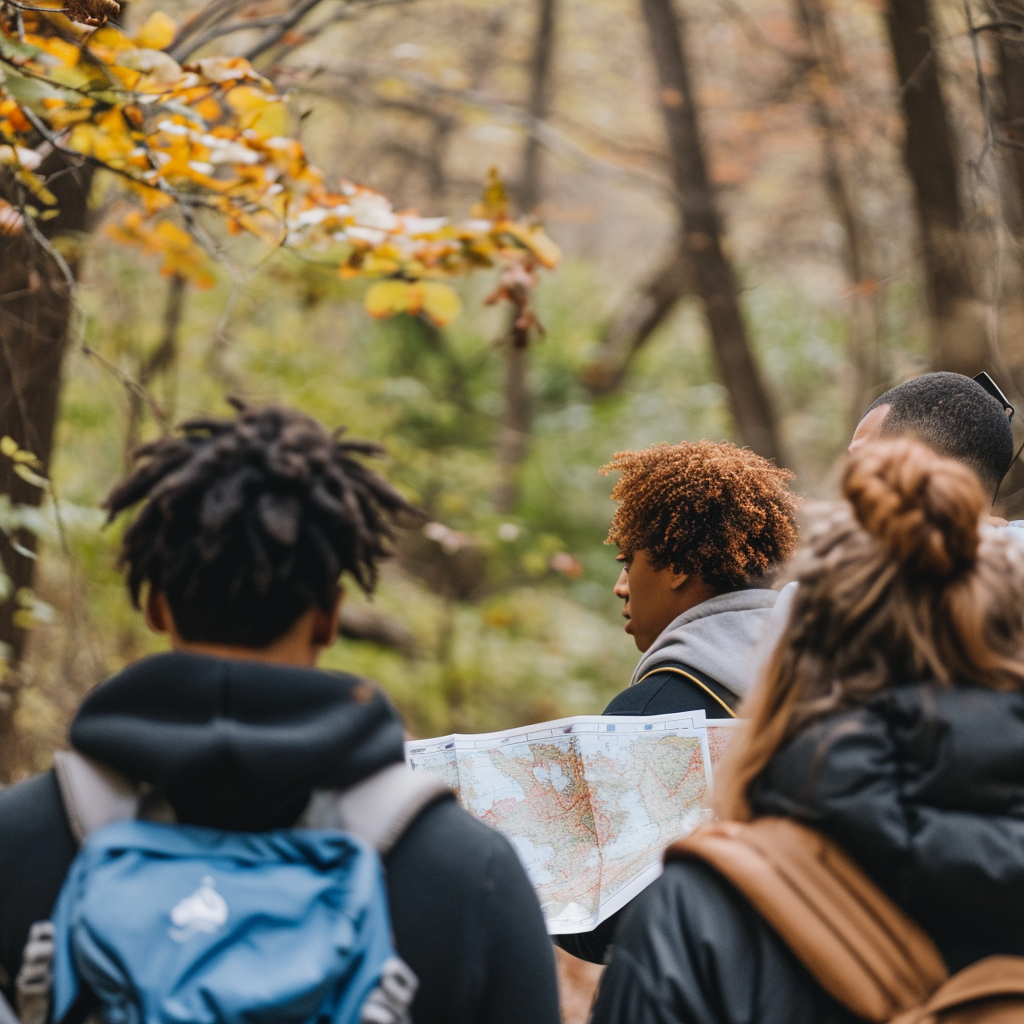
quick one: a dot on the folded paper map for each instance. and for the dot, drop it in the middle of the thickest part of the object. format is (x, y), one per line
(589, 803)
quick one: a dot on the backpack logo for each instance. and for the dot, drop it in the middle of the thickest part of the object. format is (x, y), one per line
(204, 911)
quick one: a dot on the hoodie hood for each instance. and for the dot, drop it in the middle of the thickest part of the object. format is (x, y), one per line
(237, 744)
(718, 637)
(924, 787)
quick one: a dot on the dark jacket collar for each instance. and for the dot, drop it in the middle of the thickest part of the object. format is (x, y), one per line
(237, 744)
(925, 788)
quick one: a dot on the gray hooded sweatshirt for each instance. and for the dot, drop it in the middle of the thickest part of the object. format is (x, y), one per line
(720, 637)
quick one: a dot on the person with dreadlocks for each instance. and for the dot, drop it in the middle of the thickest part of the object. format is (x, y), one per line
(700, 529)
(246, 528)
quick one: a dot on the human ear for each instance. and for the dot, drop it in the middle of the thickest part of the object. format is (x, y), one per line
(325, 624)
(678, 579)
(157, 612)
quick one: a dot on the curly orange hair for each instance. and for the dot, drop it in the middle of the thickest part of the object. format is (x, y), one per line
(709, 509)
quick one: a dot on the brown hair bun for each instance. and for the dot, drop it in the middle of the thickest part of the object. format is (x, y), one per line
(925, 508)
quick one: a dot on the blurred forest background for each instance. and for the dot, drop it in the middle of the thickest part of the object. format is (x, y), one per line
(769, 211)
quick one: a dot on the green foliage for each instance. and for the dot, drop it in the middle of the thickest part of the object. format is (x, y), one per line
(502, 638)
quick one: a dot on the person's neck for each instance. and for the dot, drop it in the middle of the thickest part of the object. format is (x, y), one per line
(286, 651)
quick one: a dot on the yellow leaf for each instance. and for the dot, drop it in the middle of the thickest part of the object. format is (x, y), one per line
(536, 240)
(226, 69)
(111, 38)
(245, 99)
(391, 88)
(67, 53)
(8, 446)
(495, 199)
(377, 265)
(23, 619)
(36, 185)
(157, 33)
(271, 120)
(388, 298)
(258, 110)
(207, 108)
(28, 458)
(440, 302)
(28, 476)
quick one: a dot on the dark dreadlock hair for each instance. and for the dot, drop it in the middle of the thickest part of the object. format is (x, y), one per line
(249, 522)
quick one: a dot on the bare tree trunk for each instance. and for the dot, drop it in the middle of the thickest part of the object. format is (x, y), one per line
(436, 158)
(1006, 108)
(864, 339)
(163, 359)
(1010, 53)
(540, 103)
(633, 325)
(514, 434)
(958, 317)
(702, 232)
(35, 313)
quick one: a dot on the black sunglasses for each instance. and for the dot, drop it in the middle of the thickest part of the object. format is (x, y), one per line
(993, 389)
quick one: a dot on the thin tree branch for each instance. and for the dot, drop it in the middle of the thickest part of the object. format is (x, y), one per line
(284, 22)
(69, 280)
(550, 137)
(298, 12)
(212, 14)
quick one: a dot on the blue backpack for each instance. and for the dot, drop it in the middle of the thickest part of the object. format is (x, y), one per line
(172, 924)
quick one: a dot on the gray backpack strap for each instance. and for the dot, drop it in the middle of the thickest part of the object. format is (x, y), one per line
(378, 809)
(35, 979)
(7, 1014)
(93, 795)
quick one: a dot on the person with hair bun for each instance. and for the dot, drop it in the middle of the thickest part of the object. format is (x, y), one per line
(889, 718)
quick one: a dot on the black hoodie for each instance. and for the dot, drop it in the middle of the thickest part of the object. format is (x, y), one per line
(241, 745)
(924, 787)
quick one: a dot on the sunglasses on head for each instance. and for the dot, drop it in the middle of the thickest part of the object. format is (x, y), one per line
(993, 389)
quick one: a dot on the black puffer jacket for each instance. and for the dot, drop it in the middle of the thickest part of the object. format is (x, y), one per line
(924, 787)
(241, 745)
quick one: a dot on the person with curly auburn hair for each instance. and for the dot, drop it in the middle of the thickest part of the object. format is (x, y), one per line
(701, 526)
(887, 727)
(245, 531)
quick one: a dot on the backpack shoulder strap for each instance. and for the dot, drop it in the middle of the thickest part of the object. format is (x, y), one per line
(93, 795)
(999, 980)
(856, 943)
(379, 809)
(722, 695)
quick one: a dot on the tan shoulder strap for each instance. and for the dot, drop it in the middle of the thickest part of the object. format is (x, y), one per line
(858, 945)
(998, 980)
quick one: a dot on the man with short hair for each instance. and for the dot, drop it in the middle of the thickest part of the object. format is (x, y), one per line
(952, 414)
(247, 526)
